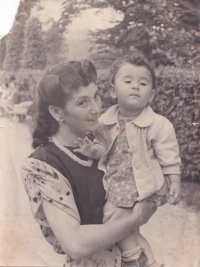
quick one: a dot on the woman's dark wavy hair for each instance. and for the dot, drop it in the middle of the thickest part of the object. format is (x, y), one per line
(136, 59)
(54, 89)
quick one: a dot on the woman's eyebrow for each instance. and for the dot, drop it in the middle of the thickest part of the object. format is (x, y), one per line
(81, 97)
(88, 96)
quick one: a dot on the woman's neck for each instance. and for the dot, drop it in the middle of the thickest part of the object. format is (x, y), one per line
(66, 138)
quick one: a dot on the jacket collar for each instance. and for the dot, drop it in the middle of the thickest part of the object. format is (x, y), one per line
(144, 119)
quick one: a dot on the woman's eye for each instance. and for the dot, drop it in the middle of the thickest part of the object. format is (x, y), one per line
(82, 103)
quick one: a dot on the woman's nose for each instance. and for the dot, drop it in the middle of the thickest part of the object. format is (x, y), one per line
(96, 107)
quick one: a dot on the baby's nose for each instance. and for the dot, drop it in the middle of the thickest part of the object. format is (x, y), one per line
(135, 84)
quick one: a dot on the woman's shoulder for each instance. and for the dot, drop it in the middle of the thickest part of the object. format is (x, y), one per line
(52, 156)
(44, 151)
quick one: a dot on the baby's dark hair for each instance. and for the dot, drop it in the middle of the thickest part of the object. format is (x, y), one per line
(54, 89)
(137, 59)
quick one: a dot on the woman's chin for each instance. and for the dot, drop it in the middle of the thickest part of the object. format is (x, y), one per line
(92, 125)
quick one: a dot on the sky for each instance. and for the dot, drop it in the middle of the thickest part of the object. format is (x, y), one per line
(8, 9)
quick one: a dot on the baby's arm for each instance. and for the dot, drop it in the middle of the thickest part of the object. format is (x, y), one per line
(89, 149)
(175, 188)
(167, 151)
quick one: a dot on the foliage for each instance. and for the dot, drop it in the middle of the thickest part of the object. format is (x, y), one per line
(34, 55)
(178, 99)
(14, 48)
(54, 43)
(14, 40)
(24, 10)
(2, 51)
(162, 30)
(27, 77)
(177, 95)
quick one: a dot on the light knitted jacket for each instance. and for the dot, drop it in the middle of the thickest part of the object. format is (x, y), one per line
(152, 143)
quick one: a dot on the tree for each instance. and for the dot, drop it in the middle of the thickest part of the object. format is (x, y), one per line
(34, 56)
(14, 48)
(14, 41)
(55, 43)
(162, 30)
(24, 10)
(2, 50)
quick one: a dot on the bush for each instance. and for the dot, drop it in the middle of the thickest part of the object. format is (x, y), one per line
(177, 98)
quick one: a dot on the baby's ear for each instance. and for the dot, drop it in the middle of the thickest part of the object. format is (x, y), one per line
(112, 91)
(153, 93)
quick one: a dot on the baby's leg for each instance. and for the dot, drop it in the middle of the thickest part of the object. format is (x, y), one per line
(131, 253)
(135, 248)
(129, 242)
(143, 243)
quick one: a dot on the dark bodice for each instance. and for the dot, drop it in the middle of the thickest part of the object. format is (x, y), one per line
(86, 182)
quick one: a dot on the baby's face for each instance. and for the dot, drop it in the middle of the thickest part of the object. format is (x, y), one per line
(133, 87)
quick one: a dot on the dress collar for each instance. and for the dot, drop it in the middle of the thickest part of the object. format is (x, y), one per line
(144, 119)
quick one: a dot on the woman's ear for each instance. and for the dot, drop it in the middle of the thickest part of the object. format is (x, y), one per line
(153, 93)
(55, 112)
(112, 91)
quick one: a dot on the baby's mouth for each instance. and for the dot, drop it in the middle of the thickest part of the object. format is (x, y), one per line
(135, 95)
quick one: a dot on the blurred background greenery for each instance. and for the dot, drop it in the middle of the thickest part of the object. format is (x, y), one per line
(167, 32)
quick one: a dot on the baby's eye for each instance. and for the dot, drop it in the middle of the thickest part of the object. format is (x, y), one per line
(128, 81)
(143, 84)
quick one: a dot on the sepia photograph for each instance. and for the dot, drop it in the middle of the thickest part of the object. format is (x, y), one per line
(100, 133)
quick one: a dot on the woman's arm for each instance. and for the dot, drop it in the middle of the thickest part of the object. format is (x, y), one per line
(79, 241)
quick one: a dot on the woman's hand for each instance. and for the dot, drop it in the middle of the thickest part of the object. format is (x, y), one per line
(140, 213)
(143, 211)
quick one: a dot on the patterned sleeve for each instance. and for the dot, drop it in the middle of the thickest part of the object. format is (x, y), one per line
(42, 181)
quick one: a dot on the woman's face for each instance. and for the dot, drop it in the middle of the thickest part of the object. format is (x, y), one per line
(82, 110)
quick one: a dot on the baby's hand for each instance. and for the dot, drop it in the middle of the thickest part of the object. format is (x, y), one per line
(174, 193)
(86, 147)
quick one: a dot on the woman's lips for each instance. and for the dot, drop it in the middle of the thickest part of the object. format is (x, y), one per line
(94, 119)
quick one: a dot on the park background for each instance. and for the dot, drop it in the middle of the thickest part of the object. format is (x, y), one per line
(47, 32)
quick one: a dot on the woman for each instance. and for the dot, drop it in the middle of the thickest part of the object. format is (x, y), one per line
(65, 188)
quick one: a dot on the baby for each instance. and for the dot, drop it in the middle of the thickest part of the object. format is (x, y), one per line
(138, 151)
